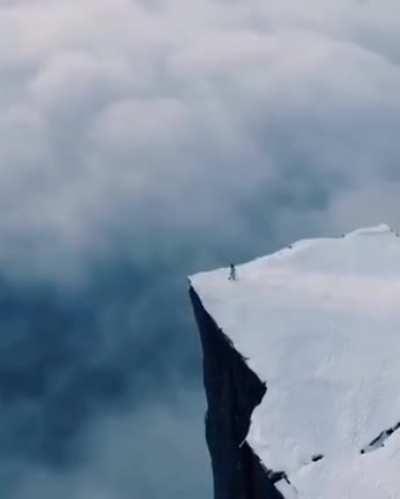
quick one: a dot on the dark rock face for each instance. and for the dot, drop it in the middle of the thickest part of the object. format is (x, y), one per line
(233, 391)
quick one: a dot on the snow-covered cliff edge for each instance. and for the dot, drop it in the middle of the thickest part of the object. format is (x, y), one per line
(319, 324)
(233, 391)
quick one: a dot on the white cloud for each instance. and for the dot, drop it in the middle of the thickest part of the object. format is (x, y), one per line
(177, 104)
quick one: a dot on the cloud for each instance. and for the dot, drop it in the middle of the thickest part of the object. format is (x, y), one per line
(134, 457)
(141, 142)
(119, 113)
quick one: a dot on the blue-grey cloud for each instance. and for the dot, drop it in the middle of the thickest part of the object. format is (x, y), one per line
(140, 142)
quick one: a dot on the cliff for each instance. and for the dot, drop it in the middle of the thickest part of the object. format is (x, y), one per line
(301, 370)
(233, 391)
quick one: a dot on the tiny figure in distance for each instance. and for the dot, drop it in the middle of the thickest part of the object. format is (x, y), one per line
(232, 274)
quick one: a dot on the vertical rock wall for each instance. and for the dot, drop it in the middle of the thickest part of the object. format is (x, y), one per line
(233, 391)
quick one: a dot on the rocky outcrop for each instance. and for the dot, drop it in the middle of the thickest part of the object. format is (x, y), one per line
(233, 391)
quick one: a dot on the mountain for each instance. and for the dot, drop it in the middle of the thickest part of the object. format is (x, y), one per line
(301, 370)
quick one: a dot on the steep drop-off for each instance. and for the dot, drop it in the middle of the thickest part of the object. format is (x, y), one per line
(318, 323)
(233, 391)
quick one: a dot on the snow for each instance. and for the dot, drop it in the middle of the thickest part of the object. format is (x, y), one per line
(319, 322)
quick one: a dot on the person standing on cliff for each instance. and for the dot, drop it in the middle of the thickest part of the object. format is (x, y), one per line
(232, 274)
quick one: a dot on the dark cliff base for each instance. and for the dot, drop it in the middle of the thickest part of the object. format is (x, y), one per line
(233, 391)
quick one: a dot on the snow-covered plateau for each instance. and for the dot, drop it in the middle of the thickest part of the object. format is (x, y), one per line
(319, 323)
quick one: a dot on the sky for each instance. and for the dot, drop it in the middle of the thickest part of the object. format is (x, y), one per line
(141, 142)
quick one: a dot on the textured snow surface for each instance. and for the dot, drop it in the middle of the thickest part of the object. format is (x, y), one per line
(319, 322)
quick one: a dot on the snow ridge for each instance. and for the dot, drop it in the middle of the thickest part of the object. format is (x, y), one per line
(319, 323)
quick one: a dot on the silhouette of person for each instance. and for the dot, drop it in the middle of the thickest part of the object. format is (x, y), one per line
(232, 274)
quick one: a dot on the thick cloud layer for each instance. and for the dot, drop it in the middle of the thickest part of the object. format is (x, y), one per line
(142, 141)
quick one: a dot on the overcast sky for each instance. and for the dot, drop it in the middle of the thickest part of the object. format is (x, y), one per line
(142, 141)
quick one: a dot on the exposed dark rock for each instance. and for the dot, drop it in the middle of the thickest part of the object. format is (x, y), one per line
(233, 391)
(380, 440)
